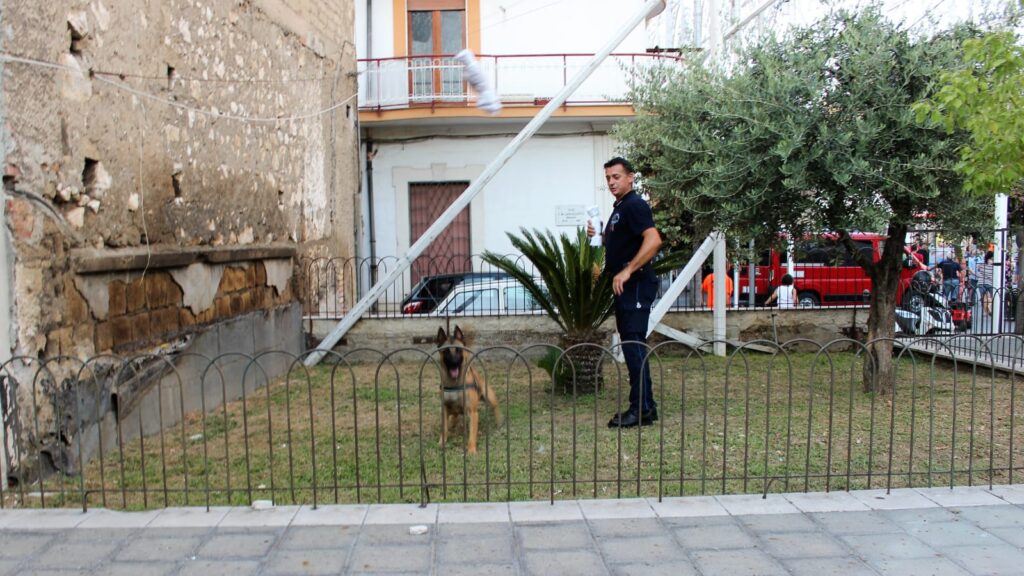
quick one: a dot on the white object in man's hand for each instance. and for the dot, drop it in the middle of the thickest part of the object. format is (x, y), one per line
(594, 225)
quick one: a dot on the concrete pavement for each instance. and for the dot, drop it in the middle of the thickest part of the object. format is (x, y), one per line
(908, 532)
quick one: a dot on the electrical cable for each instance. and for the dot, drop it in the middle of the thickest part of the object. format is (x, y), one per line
(5, 57)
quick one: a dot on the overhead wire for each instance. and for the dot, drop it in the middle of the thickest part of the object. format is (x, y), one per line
(7, 57)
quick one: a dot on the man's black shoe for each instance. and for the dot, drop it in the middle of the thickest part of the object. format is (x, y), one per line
(630, 419)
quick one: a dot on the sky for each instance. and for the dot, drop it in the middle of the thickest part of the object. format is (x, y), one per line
(917, 15)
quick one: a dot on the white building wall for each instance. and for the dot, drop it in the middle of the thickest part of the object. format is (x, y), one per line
(571, 26)
(546, 173)
(523, 27)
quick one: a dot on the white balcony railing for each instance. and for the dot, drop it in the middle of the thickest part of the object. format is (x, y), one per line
(395, 83)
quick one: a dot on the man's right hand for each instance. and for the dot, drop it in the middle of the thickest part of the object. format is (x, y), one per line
(590, 231)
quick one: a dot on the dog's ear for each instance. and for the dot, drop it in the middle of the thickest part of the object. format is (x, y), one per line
(458, 334)
(442, 338)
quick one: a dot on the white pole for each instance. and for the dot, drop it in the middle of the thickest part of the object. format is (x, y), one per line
(650, 9)
(714, 35)
(718, 311)
(999, 262)
(684, 278)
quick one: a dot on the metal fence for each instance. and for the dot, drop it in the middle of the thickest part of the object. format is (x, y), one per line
(330, 285)
(364, 427)
(517, 79)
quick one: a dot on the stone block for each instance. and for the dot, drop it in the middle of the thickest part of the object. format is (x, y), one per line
(135, 296)
(262, 297)
(78, 308)
(83, 333)
(222, 307)
(118, 304)
(22, 217)
(122, 330)
(186, 318)
(162, 291)
(207, 316)
(566, 562)
(58, 342)
(141, 326)
(252, 543)
(246, 301)
(260, 273)
(234, 279)
(236, 304)
(408, 558)
(104, 337)
(307, 562)
(164, 321)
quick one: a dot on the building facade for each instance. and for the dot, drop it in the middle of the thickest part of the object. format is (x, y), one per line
(166, 165)
(424, 141)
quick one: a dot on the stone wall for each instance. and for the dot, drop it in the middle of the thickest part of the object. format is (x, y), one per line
(820, 325)
(165, 162)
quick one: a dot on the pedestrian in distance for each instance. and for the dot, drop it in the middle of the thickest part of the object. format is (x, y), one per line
(708, 286)
(631, 241)
(950, 269)
(785, 294)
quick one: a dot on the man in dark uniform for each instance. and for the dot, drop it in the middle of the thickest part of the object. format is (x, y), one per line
(630, 241)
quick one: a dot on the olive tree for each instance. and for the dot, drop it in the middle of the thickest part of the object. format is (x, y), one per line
(807, 133)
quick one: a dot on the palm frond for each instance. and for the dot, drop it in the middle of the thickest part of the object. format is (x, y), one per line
(571, 296)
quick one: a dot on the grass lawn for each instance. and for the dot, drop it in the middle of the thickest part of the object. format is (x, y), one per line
(368, 432)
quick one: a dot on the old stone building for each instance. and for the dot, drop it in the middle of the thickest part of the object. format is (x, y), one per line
(166, 165)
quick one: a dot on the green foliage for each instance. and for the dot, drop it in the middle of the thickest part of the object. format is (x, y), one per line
(806, 133)
(571, 296)
(809, 132)
(984, 96)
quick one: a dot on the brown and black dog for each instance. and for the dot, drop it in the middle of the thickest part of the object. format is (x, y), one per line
(462, 387)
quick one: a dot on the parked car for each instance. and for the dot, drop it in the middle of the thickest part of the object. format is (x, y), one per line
(824, 273)
(430, 290)
(488, 298)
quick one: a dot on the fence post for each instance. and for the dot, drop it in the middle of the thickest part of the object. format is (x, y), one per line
(999, 263)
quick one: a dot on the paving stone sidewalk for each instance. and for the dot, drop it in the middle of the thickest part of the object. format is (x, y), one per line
(907, 532)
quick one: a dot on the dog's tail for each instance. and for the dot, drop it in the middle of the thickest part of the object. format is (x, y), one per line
(492, 398)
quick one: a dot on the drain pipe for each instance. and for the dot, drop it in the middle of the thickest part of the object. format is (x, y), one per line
(370, 153)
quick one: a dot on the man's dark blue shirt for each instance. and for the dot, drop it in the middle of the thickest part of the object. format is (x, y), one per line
(624, 234)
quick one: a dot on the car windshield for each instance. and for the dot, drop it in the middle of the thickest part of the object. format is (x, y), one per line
(482, 300)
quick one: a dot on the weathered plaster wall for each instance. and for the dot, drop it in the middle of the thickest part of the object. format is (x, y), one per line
(158, 155)
(142, 131)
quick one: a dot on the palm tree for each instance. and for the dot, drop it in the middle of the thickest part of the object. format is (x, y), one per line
(572, 294)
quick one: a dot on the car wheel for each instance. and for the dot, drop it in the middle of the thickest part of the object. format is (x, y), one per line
(913, 301)
(808, 300)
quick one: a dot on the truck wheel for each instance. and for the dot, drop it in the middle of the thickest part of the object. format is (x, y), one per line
(808, 300)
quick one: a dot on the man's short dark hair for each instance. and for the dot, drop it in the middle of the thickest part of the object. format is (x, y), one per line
(620, 161)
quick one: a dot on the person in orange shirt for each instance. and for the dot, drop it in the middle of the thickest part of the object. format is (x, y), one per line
(707, 286)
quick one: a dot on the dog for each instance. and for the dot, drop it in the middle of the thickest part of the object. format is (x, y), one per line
(462, 387)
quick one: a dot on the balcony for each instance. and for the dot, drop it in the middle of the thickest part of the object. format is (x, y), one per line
(520, 80)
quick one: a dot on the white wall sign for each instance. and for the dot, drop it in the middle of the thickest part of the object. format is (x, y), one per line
(570, 215)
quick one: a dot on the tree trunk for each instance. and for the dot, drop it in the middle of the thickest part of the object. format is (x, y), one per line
(582, 364)
(885, 278)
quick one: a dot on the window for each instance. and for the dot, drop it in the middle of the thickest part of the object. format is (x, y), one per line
(473, 301)
(436, 27)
